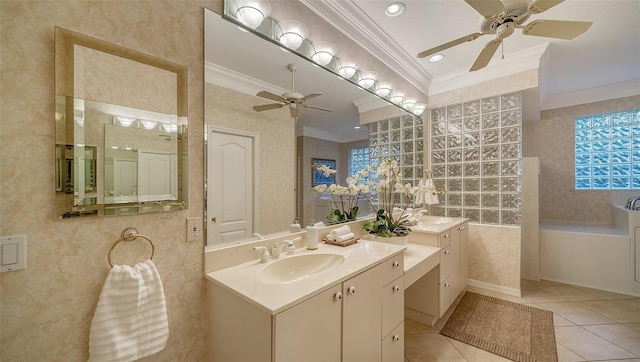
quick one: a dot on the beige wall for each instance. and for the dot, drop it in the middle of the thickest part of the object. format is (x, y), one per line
(552, 140)
(46, 310)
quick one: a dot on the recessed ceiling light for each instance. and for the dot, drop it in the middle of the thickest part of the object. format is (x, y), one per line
(356, 127)
(394, 9)
(436, 58)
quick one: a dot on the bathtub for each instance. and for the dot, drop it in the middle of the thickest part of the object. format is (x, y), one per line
(590, 254)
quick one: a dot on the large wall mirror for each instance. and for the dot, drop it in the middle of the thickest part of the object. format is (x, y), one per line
(121, 129)
(272, 187)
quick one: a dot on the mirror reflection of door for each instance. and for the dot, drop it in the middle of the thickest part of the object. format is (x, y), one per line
(154, 176)
(230, 187)
(125, 180)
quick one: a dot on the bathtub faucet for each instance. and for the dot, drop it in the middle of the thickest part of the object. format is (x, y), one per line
(631, 203)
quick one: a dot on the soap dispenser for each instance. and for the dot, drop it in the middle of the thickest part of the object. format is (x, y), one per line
(312, 236)
(295, 226)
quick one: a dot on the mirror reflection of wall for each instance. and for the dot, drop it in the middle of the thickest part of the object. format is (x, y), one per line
(126, 106)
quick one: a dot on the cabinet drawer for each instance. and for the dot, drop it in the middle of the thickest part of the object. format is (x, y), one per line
(447, 263)
(392, 305)
(444, 239)
(393, 345)
(389, 270)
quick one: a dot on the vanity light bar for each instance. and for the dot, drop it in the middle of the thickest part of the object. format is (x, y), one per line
(291, 35)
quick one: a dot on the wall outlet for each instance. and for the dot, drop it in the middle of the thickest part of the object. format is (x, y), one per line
(194, 228)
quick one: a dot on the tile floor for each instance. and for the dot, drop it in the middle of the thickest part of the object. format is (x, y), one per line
(590, 325)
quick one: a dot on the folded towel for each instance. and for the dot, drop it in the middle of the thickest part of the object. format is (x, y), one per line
(319, 224)
(130, 321)
(431, 196)
(345, 237)
(344, 229)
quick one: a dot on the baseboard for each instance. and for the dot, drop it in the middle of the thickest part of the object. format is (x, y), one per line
(417, 316)
(495, 288)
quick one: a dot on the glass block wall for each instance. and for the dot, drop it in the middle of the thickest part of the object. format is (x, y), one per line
(607, 151)
(476, 153)
(358, 159)
(400, 139)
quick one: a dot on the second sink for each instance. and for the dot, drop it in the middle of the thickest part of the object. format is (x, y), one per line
(295, 268)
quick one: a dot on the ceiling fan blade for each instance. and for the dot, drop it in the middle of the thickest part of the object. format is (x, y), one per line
(448, 45)
(266, 107)
(485, 55)
(309, 96)
(538, 6)
(561, 29)
(272, 96)
(316, 107)
(487, 8)
(294, 112)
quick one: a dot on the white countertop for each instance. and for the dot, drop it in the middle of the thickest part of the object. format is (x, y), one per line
(242, 279)
(419, 260)
(436, 224)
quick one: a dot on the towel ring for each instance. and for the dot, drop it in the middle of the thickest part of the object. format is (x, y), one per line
(130, 234)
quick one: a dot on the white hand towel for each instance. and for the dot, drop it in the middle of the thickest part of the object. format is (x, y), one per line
(130, 321)
(344, 229)
(431, 196)
(419, 196)
(345, 237)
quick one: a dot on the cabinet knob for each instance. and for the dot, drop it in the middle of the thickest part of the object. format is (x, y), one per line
(461, 228)
(396, 264)
(447, 284)
(447, 252)
(351, 290)
(337, 297)
(396, 288)
(446, 236)
(396, 338)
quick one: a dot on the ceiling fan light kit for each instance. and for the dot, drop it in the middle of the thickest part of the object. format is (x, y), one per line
(292, 99)
(501, 18)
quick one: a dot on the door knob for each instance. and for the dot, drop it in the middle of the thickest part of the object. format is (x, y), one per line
(213, 220)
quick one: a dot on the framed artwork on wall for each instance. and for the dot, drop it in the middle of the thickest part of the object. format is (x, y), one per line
(317, 177)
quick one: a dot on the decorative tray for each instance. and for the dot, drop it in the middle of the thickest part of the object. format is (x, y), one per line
(341, 243)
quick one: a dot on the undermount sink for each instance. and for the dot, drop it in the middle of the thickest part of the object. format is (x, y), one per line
(435, 220)
(295, 268)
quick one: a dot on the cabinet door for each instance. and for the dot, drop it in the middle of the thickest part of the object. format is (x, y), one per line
(448, 294)
(447, 263)
(392, 305)
(464, 254)
(393, 345)
(361, 318)
(310, 331)
(444, 239)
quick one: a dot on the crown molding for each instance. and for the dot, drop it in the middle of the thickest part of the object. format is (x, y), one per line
(351, 21)
(358, 135)
(498, 68)
(369, 104)
(597, 94)
(236, 81)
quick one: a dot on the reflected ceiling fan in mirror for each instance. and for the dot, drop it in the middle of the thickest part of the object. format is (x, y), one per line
(292, 99)
(503, 17)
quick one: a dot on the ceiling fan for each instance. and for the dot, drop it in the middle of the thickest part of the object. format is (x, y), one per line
(503, 17)
(291, 99)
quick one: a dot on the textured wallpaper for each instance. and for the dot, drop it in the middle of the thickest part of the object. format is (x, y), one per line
(553, 142)
(46, 310)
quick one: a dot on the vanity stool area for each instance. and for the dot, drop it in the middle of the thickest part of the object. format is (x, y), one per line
(334, 303)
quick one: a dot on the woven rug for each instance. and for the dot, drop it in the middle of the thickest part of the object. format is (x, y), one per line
(511, 330)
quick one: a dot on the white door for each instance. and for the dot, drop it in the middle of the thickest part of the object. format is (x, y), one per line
(230, 185)
(125, 180)
(154, 176)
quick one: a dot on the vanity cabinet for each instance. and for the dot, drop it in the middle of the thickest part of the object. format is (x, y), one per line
(360, 319)
(431, 296)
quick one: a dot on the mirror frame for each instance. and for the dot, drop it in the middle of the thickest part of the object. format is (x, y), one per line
(65, 40)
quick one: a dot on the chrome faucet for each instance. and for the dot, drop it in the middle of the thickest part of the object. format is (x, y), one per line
(631, 203)
(277, 249)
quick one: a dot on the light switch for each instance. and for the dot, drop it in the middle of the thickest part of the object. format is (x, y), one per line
(13, 253)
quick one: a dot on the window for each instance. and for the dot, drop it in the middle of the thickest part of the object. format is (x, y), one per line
(358, 160)
(476, 156)
(607, 151)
